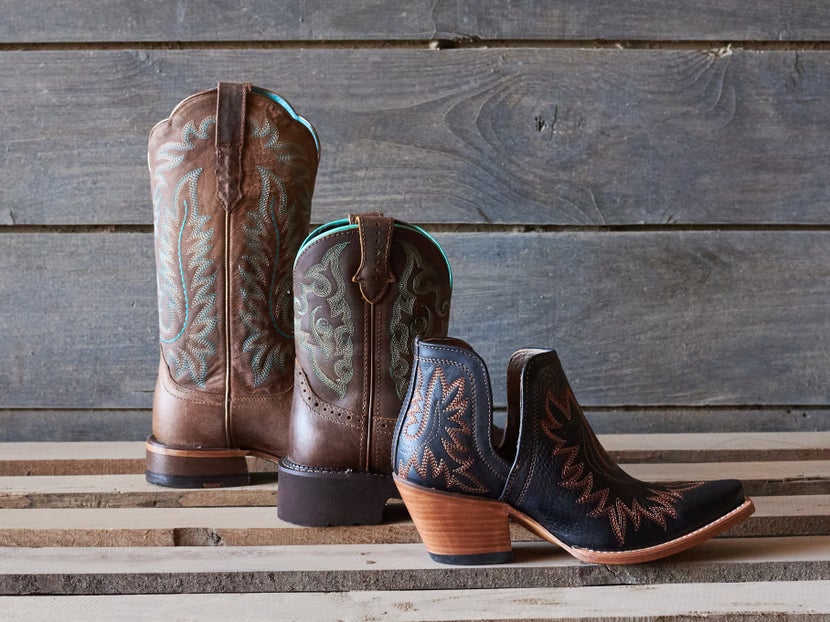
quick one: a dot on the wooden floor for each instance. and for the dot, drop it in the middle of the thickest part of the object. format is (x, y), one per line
(82, 534)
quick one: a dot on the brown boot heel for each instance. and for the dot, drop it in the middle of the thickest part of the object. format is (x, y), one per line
(458, 529)
(195, 468)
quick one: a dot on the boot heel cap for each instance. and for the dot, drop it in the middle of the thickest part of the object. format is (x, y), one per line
(194, 481)
(476, 559)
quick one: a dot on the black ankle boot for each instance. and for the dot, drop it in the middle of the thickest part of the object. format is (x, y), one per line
(462, 479)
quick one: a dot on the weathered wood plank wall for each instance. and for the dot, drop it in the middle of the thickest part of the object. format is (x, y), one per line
(644, 188)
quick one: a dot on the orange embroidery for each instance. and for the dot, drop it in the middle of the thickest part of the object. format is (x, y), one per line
(415, 415)
(447, 401)
(655, 505)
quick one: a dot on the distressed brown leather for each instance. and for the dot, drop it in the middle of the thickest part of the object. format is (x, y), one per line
(362, 295)
(232, 174)
(230, 141)
(373, 274)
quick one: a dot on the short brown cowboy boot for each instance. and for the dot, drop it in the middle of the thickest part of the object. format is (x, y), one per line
(232, 174)
(463, 480)
(363, 290)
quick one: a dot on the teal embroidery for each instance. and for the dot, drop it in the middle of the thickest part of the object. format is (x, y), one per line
(418, 278)
(329, 345)
(188, 315)
(289, 153)
(272, 236)
(266, 282)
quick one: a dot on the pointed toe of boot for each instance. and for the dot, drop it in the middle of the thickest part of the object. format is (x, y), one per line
(692, 512)
(710, 508)
(708, 501)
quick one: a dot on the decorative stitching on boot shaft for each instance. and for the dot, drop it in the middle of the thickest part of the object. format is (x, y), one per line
(449, 402)
(264, 279)
(272, 235)
(418, 279)
(330, 347)
(187, 311)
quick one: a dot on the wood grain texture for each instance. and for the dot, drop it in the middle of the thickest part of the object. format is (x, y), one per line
(293, 20)
(801, 601)
(52, 526)
(82, 458)
(704, 420)
(131, 490)
(805, 477)
(671, 318)
(507, 136)
(34, 425)
(127, 457)
(134, 425)
(810, 477)
(160, 570)
(717, 447)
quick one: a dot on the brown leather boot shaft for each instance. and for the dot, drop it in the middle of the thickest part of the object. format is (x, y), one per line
(232, 172)
(363, 291)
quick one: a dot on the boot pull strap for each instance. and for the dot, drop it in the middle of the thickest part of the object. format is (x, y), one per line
(374, 273)
(230, 141)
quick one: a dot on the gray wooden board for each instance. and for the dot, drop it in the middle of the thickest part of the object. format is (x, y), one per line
(159, 570)
(295, 20)
(798, 515)
(81, 425)
(802, 477)
(679, 420)
(125, 457)
(509, 136)
(669, 318)
(134, 425)
(795, 601)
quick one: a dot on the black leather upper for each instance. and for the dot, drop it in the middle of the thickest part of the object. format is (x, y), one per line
(560, 475)
(443, 437)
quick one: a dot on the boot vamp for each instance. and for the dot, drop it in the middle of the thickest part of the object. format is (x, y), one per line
(598, 513)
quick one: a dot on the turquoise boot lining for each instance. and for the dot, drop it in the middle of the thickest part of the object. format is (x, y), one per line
(274, 97)
(336, 226)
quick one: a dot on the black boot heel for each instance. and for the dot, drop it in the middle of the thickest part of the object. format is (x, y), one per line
(314, 496)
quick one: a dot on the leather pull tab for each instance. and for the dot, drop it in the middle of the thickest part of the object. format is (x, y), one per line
(230, 141)
(374, 273)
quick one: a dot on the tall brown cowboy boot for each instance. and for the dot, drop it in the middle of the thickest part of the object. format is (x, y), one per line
(232, 174)
(363, 290)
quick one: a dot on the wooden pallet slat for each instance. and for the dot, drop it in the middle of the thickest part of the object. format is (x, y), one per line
(100, 425)
(801, 601)
(81, 458)
(260, 526)
(132, 490)
(126, 457)
(202, 569)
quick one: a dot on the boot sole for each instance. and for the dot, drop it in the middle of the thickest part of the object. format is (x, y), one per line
(316, 497)
(197, 468)
(458, 529)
